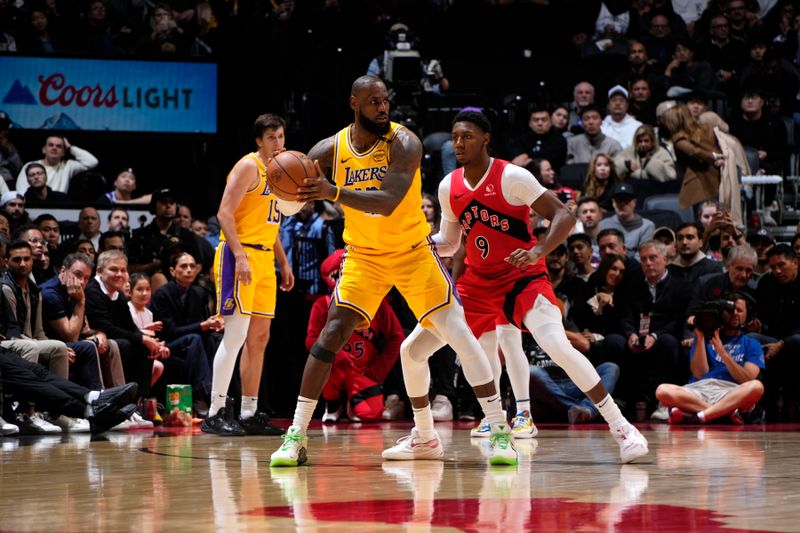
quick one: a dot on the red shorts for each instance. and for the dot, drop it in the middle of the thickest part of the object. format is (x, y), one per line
(500, 300)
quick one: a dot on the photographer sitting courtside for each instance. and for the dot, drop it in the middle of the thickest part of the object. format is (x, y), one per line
(725, 365)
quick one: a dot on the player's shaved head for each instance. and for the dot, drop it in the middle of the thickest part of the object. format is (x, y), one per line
(364, 82)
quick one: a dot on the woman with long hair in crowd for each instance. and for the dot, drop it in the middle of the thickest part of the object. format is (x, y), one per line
(600, 181)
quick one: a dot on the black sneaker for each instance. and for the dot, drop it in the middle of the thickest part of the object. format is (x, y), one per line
(220, 425)
(110, 400)
(258, 424)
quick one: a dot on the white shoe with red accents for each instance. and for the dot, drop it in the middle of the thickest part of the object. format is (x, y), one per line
(411, 447)
(632, 444)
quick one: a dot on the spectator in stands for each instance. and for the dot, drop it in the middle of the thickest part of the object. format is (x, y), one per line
(200, 228)
(659, 42)
(611, 242)
(741, 20)
(583, 96)
(89, 224)
(118, 220)
(148, 243)
(124, 187)
(50, 229)
(691, 263)
(107, 311)
(640, 68)
(432, 210)
(761, 241)
(560, 120)
(570, 289)
(684, 71)
(166, 36)
(183, 310)
(82, 246)
(13, 204)
(583, 147)
(589, 215)
(796, 243)
(698, 155)
(544, 172)
(778, 80)
(41, 272)
(38, 193)
(10, 162)
(726, 56)
(740, 263)
(112, 240)
(64, 316)
(778, 297)
(725, 370)
(636, 229)
(618, 124)
(361, 366)
(542, 141)
(666, 236)
(601, 316)
(184, 217)
(645, 159)
(652, 326)
(308, 240)
(25, 333)
(41, 38)
(756, 127)
(705, 213)
(5, 228)
(60, 169)
(95, 35)
(642, 102)
(579, 246)
(600, 181)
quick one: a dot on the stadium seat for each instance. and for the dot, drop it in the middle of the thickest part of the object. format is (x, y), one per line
(668, 202)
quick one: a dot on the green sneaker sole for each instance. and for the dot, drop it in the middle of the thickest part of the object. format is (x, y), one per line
(502, 461)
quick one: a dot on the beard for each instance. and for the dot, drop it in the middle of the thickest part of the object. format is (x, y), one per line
(373, 127)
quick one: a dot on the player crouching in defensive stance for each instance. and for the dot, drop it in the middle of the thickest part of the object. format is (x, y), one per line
(489, 200)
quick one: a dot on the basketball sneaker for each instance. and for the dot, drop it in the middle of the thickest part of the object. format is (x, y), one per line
(333, 412)
(70, 425)
(293, 450)
(441, 408)
(7, 429)
(411, 447)
(259, 424)
(394, 408)
(501, 446)
(632, 444)
(484, 429)
(522, 426)
(221, 424)
(676, 416)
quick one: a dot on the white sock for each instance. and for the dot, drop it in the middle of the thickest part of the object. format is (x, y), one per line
(303, 412)
(217, 402)
(701, 416)
(492, 409)
(524, 405)
(423, 421)
(249, 406)
(91, 396)
(611, 413)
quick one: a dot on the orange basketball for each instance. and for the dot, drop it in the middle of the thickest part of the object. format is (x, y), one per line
(287, 171)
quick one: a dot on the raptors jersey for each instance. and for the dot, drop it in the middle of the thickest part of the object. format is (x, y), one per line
(257, 217)
(494, 228)
(364, 171)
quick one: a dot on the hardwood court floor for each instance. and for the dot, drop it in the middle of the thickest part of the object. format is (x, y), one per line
(695, 479)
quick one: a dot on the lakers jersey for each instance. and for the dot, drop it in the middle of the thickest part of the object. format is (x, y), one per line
(257, 218)
(364, 171)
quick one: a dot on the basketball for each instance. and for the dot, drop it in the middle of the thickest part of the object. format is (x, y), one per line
(287, 171)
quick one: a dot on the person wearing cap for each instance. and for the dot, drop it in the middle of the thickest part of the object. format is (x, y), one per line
(691, 262)
(618, 124)
(10, 162)
(778, 297)
(60, 169)
(581, 148)
(666, 236)
(635, 228)
(761, 241)
(13, 208)
(541, 141)
(39, 194)
(758, 128)
(147, 244)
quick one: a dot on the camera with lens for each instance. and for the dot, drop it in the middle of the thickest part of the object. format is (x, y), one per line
(709, 318)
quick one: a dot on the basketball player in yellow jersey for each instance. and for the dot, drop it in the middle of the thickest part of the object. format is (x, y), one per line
(244, 271)
(374, 164)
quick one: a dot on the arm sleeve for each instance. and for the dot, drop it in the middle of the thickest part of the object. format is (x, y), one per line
(520, 187)
(389, 327)
(83, 160)
(448, 239)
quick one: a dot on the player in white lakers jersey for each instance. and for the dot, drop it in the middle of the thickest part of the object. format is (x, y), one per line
(244, 270)
(374, 165)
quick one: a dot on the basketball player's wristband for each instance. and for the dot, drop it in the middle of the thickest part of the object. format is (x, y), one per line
(338, 193)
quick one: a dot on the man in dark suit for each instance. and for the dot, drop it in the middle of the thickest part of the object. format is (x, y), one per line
(652, 326)
(183, 310)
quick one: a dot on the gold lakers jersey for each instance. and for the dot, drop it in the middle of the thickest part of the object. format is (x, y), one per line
(364, 171)
(257, 217)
